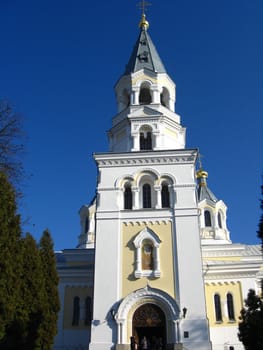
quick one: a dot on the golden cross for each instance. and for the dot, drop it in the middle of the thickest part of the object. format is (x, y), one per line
(143, 5)
(200, 156)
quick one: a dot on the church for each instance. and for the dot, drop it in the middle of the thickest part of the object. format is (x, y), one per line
(155, 267)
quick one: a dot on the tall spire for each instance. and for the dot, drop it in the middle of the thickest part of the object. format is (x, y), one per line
(144, 55)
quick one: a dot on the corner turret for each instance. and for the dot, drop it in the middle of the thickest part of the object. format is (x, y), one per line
(213, 227)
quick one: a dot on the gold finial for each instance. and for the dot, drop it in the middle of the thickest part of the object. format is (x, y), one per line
(144, 24)
(201, 174)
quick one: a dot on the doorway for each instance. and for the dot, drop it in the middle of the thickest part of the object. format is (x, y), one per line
(149, 322)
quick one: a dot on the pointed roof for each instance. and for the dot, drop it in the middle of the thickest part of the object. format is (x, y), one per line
(144, 54)
(203, 192)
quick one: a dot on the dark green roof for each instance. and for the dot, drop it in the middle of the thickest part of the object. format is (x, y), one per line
(144, 56)
(203, 192)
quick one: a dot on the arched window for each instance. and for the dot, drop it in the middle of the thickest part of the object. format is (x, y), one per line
(147, 255)
(230, 307)
(147, 262)
(208, 222)
(219, 219)
(218, 311)
(146, 196)
(126, 98)
(165, 98)
(165, 196)
(76, 310)
(88, 311)
(87, 225)
(145, 97)
(145, 141)
(127, 196)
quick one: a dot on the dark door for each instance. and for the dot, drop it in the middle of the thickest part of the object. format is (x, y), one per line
(149, 322)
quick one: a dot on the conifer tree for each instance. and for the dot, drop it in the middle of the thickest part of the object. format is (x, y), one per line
(33, 296)
(48, 261)
(10, 258)
(251, 322)
(251, 318)
(260, 225)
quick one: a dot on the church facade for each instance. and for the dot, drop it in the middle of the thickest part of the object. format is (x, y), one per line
(155, 267)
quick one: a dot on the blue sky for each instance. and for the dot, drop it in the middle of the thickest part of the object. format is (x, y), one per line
(60, 60)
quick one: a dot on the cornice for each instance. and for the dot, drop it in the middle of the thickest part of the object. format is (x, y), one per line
(230, 269)
(145, 158)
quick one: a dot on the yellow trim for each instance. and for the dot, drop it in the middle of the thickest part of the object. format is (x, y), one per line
(222, 288)
(70, 293)
(165, 282)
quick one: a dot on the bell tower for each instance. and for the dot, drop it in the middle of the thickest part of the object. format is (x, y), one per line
(145, 94)
(148, 279)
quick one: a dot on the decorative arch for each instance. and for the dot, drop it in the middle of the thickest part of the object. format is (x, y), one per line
(147, 195)
(140, 297)
(121, 181)
(167, 177)
(150, 173)
(147, 254)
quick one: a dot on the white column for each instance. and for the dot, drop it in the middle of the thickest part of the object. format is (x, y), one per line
(136, 141)
(135, 96)
(157, 189)
(135, 198)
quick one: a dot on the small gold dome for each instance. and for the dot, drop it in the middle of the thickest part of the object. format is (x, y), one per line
(201, 174)
(143, 23)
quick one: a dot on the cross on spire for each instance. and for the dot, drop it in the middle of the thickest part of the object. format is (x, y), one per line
(143, 6)
(200, 156)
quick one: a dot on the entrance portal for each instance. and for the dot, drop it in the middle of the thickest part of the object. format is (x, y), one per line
(149, 322)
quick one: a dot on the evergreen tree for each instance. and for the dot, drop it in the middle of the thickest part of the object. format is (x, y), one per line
(260, 232)
(10, 258)
(251, 318)
(260, 225)
(33, 296)
(251, 322)
(11, 142)
(48, 261)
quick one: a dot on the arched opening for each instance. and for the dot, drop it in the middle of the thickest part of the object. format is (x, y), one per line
(230, 307)
(165, 98)
(76, 311)
(208, 222)
(149, 324)
(145, 141)
(127, 196)
(146, 196)
(145, 97)
(165, 196)
(125, 98)
(219, 219)
(88, 311)
(218, 310)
